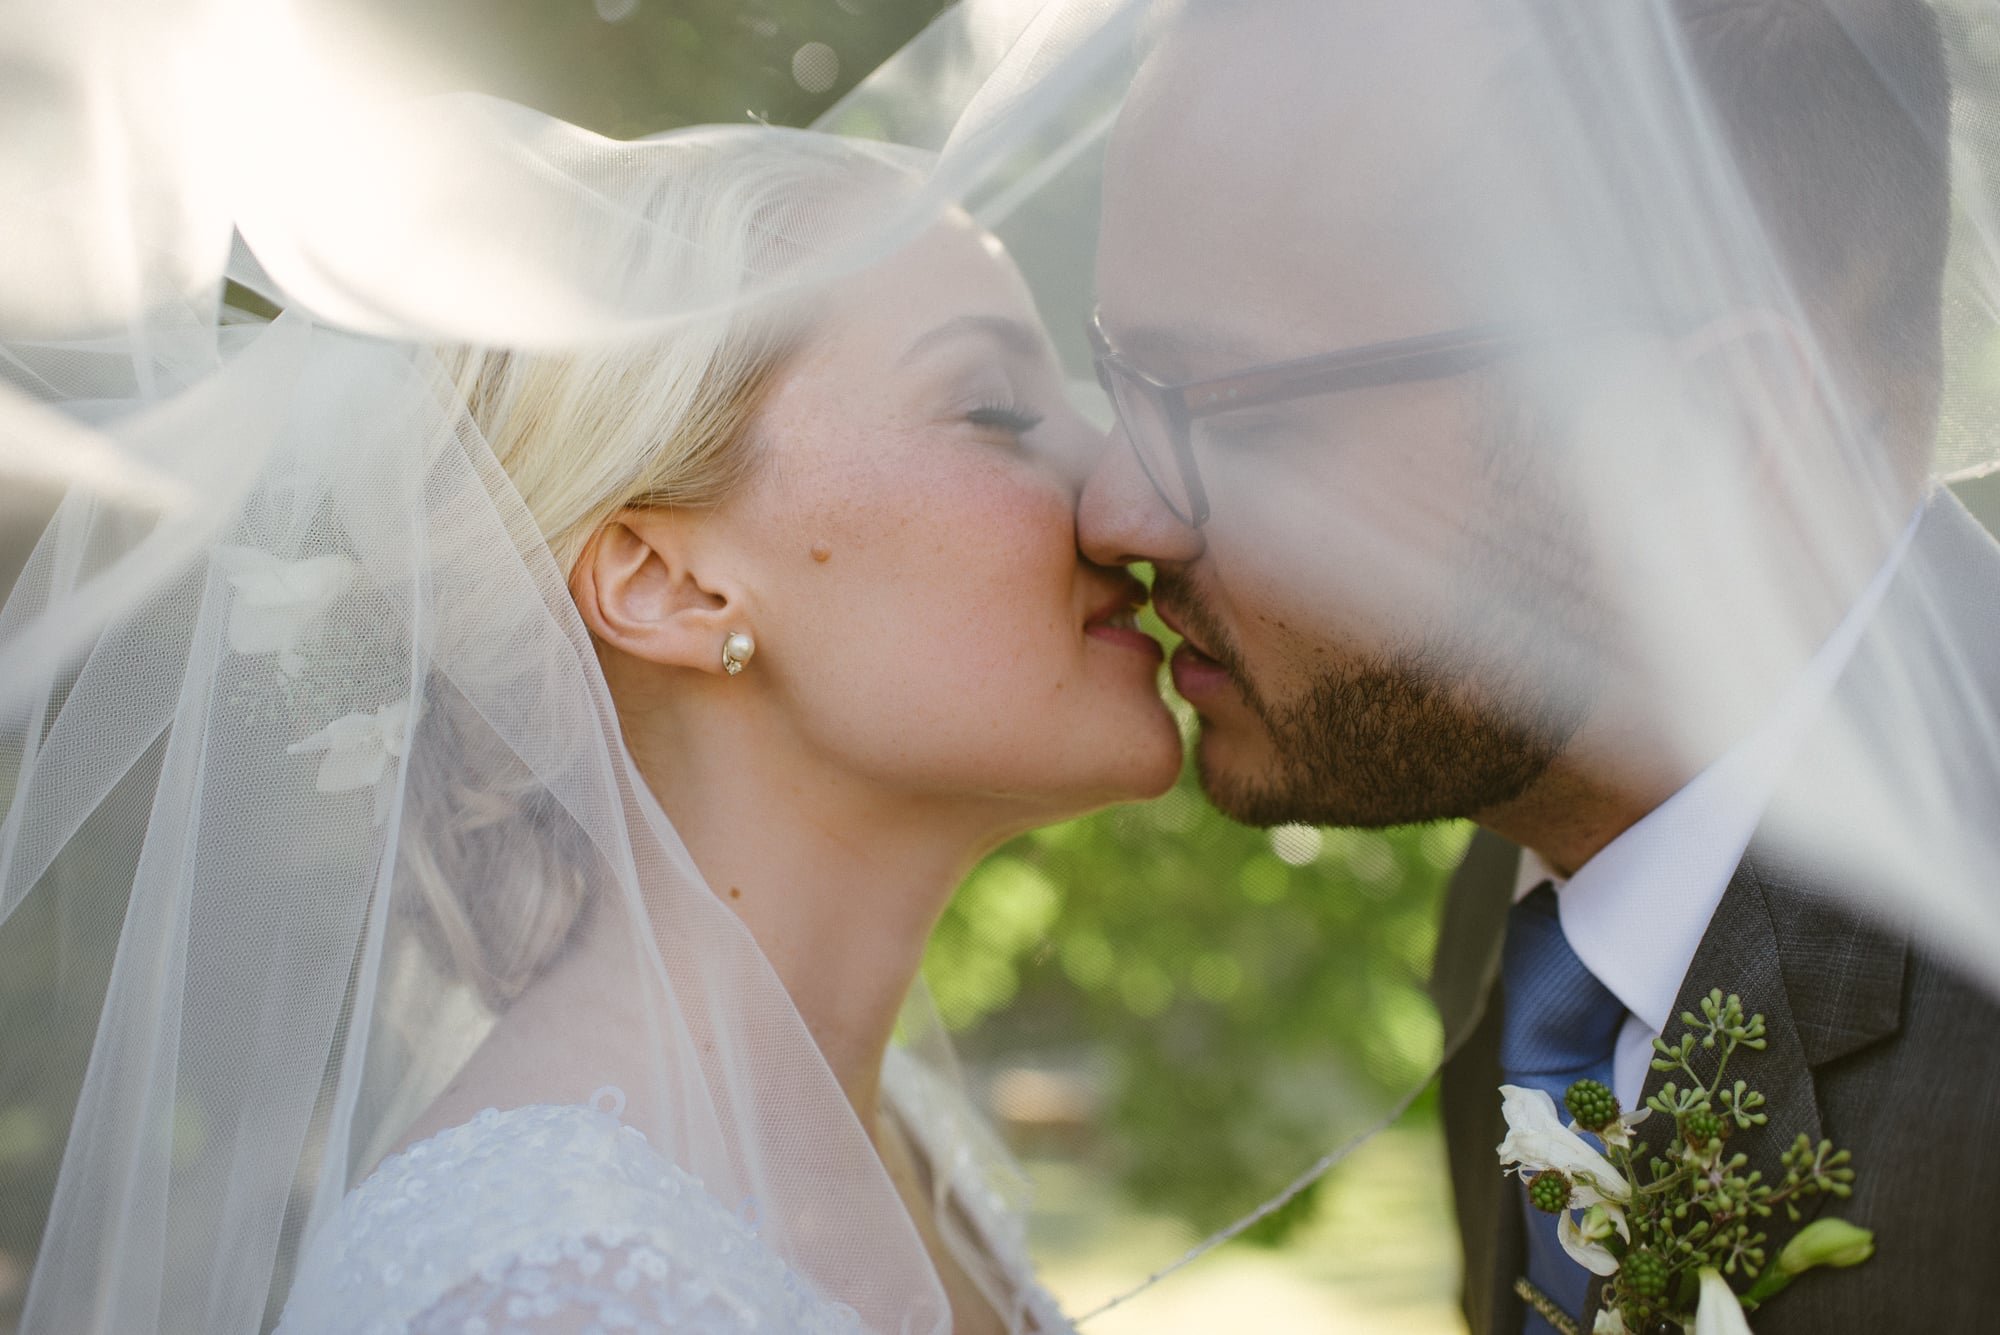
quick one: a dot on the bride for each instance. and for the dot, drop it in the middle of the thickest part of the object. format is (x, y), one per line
(551, 764)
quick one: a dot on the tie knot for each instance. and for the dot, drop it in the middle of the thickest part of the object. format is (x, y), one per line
(1560, 1020)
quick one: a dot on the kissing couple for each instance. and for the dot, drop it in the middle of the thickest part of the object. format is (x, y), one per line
(493, 737)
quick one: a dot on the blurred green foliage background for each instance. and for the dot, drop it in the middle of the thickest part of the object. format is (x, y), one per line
(1232, 999)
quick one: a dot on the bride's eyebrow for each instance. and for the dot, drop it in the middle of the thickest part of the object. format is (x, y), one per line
(1021, 339)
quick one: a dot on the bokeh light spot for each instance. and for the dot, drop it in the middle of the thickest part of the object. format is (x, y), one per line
(1297, 844)
(815, 66)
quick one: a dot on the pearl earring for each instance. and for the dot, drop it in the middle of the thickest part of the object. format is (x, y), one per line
(736, 651)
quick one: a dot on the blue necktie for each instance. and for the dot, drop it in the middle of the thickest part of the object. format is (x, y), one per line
(1561, 1025)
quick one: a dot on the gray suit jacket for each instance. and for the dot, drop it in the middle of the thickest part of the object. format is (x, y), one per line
(1874, 1042)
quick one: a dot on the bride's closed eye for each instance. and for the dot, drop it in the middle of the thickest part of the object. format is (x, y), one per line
(983, 360)
(1006, 417)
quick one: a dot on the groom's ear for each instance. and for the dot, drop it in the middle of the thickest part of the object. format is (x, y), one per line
(1758, 369)
(646, 586)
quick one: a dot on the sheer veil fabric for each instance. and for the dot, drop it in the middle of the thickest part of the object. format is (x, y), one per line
(290, 666)
(341, 725)
(311, 770)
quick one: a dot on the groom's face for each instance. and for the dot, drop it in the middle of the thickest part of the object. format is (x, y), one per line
(1370, 639)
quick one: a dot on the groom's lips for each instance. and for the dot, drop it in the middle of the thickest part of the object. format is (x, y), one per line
(1197, 675)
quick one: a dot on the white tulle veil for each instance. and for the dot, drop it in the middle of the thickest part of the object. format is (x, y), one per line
(258, 741)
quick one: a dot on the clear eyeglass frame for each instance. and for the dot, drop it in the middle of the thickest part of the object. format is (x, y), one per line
(1157, 416)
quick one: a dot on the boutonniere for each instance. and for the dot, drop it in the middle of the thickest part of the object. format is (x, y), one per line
(1681, 1244)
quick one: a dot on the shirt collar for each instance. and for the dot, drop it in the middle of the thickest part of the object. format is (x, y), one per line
(1635, 913)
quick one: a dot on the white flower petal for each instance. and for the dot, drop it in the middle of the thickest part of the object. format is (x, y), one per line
(1720, 1311)
(346, 730)
(1599, 1222)
(1531, 1121)
(347, 768)
(393, 722)
(264, 580)
(263, 630)
(1592, 1256)
(277, 600)
(358, 747)
(1609, 1322)
(1537, 1139)
(1619, 1134)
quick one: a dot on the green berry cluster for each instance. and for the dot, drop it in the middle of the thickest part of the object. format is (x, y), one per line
(1701, 1129)
(1646, 1274)
(1592, 1104)
(1549, 1192)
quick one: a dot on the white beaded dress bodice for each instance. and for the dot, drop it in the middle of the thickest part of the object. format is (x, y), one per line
(560, 1218)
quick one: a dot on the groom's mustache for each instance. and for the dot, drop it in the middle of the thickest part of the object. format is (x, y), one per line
(1184, 611)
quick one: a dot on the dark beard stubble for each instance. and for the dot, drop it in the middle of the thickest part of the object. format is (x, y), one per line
(1379, 743)
(1458, 723)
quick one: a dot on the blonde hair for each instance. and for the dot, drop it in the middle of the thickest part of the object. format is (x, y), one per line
(585, 434)
(663, 420)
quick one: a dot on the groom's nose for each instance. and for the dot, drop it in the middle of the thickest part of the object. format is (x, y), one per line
(1120, 518)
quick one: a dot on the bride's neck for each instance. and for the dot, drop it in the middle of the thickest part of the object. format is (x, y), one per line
(839, 881)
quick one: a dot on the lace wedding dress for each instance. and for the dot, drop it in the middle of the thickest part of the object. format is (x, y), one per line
(561, 1218)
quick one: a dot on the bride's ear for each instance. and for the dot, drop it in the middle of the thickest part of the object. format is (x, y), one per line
(642, 589)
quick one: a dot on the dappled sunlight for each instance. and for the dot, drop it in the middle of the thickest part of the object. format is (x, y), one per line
(1377, 1256)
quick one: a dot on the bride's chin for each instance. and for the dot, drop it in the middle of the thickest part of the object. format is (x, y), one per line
(1133, 765)
(1103, 750)
(1156, 758)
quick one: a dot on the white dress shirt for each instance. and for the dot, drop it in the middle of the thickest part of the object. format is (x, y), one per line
(1636, 912)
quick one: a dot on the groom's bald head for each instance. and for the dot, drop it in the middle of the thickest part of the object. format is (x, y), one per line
(1508, 145)
(1253, 122)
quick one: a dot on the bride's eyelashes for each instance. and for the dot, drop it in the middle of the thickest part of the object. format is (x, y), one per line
(1008, 418)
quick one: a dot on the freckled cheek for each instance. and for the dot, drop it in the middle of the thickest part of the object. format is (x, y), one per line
(1007, 556)
(973, 562)
(1007, 565)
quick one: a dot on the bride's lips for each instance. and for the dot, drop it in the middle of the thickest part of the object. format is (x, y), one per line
(1117, 622)
(1197, 676)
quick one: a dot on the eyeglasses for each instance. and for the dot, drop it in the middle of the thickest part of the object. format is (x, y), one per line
(1158, 417)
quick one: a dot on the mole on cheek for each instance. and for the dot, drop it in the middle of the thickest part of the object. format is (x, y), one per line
(822, 553)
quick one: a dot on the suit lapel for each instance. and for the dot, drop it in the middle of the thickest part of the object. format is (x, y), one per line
(1489, 1220)
(1827, 986)
(1467, 961)
(1843, 974)
(1464, 985)
(1743, 953)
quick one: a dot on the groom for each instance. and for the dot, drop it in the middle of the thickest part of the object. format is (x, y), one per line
(1666, 607)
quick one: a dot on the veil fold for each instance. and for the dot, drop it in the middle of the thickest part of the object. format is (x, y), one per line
(254, 726)
(282, 766)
